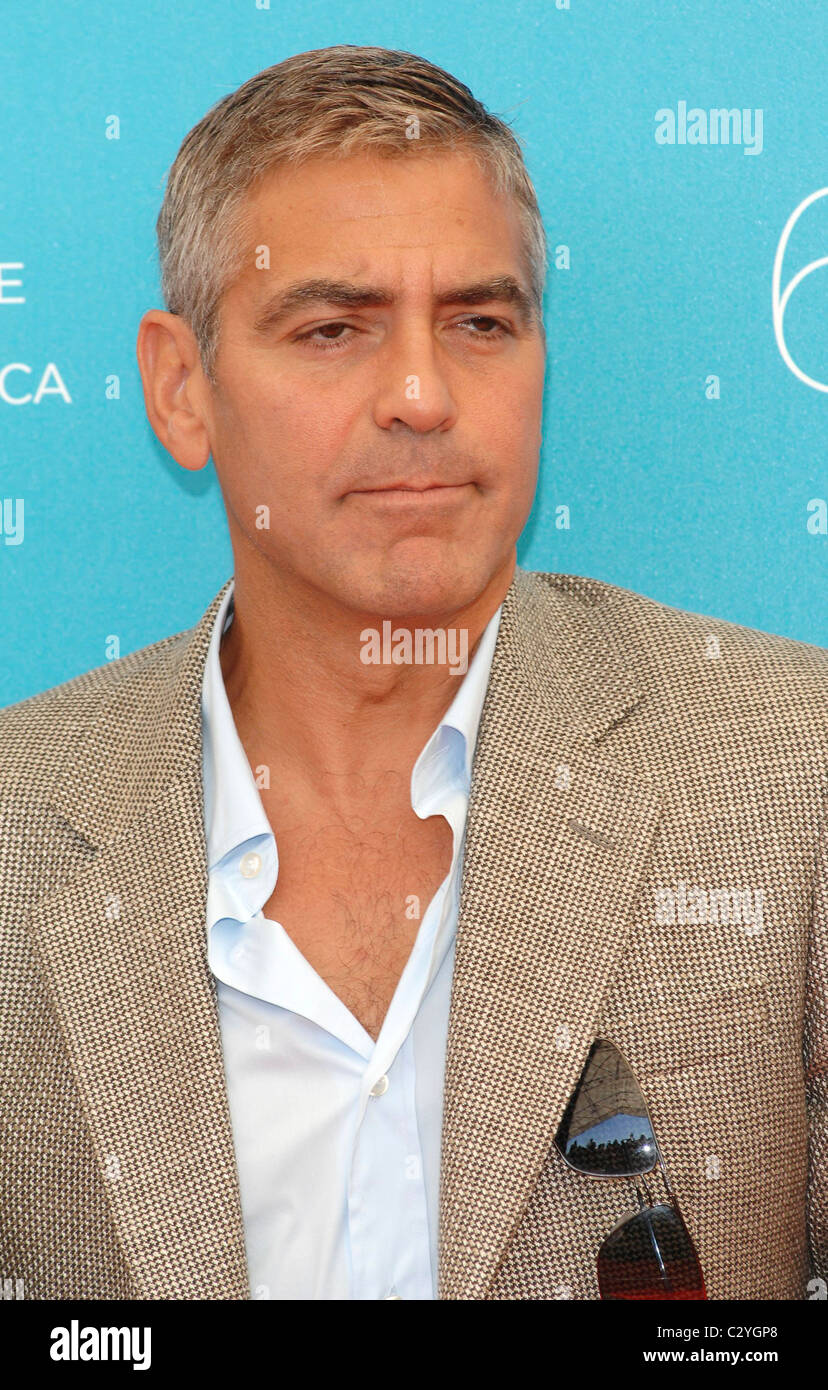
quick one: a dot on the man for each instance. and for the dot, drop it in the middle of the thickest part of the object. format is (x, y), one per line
(256, 1043)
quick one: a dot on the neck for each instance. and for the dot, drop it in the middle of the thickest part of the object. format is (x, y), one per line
(303, 700)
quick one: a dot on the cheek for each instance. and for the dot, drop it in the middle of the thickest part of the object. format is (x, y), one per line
(303, 428)
(512, 431)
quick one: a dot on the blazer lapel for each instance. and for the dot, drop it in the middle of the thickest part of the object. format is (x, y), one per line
(123, 946)
(557, 840)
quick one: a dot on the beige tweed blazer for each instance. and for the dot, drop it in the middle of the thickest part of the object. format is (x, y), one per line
(630, 756)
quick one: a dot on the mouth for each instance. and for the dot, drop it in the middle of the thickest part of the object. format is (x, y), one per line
(407, 487)
(413, 492)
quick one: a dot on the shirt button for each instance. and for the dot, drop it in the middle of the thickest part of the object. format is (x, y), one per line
(392, 1295)
(250, 865)
(380, 1087)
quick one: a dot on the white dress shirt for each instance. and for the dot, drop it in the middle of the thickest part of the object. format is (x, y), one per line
(337, 1137)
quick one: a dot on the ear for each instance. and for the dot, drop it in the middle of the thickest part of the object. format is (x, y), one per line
(174, 386)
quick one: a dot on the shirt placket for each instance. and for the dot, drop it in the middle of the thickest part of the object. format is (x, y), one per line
(387, 1209)
(387, 1203)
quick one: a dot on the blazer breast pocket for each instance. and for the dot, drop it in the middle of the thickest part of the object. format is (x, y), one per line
(704, 1025)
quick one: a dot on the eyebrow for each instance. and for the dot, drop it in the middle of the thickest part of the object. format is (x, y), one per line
(343, 294)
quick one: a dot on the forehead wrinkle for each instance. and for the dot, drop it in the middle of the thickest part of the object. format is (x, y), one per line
(420, 209)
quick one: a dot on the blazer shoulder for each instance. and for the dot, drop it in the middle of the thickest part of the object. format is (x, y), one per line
(697, 670)
(656, 627)
(35, 732)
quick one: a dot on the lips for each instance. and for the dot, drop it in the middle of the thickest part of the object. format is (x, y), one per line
(408, 487)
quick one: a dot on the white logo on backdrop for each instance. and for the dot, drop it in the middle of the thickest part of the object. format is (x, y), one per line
(780, 305)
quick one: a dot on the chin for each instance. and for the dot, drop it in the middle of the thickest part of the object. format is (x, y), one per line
(417, 587)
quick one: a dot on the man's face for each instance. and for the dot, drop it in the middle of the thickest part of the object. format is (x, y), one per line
(393, 428)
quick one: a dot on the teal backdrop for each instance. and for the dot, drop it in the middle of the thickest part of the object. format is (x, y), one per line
(685, 430)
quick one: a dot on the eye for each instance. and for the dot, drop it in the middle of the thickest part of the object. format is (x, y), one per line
(500, 329)
(325, 344)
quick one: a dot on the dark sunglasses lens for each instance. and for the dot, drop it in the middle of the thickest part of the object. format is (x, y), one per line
(650, 1256)
(606, 1128)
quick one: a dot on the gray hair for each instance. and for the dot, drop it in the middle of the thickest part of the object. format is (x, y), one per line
(331, 102)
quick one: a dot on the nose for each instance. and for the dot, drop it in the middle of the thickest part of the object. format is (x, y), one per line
(412, 387)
